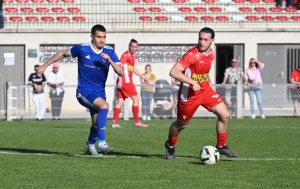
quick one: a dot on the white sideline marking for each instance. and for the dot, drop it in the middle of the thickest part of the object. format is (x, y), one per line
(19, 153)
(181, 157)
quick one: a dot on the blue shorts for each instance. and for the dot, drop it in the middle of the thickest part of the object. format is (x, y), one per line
(87, 98)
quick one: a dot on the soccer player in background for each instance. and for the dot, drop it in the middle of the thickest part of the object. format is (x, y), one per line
(192, 70)
(94, 59)
(126, 88)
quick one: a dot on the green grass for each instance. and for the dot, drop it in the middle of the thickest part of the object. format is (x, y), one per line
(50, 154)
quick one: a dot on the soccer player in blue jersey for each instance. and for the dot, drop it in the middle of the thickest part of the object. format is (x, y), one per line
(94, 59)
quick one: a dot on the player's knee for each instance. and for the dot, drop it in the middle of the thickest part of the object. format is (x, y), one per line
(225, 116)
(104, 105)
(179, 124)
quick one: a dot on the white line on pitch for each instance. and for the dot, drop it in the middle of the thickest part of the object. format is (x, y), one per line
(180, 157)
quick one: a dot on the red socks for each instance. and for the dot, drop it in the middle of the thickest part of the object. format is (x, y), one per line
(172, 140)
(222, 139)
(117, 112)
(135, 111)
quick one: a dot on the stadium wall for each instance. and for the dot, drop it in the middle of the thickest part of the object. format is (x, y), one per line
(250, 40)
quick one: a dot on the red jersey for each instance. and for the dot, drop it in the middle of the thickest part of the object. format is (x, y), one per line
(197, 66)
(296, 76)
(128, 62)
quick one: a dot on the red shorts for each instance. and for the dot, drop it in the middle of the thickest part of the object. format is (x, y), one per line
(208, 99)
(127, 90)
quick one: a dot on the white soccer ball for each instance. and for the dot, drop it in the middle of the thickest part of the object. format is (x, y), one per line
(209, 155)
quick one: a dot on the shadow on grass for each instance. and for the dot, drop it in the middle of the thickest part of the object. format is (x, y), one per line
(86, 153)
(28, 151)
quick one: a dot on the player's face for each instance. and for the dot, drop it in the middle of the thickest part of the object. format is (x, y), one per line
(133, 47)
(205, 41)
(99, 39)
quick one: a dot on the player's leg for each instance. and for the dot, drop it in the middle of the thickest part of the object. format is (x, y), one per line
(101, 107)
(93, 136)
(117, 111)
(87, 100)
(185, 111)
(135, 111)
(214, 103)
(221, 111)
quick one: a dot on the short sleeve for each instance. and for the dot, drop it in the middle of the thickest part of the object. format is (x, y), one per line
(124, 58)
(114, 57)
(187, 59)
(75, 50)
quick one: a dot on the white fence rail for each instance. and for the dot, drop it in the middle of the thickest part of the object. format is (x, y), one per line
(276, 100)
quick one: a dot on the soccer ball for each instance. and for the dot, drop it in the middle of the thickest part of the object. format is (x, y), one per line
(209, 155)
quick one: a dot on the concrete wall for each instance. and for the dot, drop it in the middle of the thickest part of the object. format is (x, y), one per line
(120, 40)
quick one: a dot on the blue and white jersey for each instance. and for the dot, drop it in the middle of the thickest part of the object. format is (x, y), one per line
(92, 69)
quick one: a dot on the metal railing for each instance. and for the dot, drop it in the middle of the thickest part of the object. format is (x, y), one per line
(277, 101)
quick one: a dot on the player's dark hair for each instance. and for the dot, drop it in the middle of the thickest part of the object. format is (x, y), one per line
(35, 66)
(208, 30)
(97, 27)
(133, 41)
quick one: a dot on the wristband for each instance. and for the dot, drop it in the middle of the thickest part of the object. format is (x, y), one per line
(143, 77)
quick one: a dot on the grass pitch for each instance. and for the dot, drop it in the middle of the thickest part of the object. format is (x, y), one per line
(50, 154)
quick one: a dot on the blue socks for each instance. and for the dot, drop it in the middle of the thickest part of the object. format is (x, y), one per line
(93, 135)
(100, 133)
(101, 123)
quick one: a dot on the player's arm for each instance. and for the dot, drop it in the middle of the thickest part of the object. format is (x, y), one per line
(176, 73)
(210, 83)
(117, 67)
(60, 55)
(138, 73)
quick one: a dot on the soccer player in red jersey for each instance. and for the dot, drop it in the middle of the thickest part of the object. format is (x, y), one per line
(126, 88)
(295, 90)
(192, 70)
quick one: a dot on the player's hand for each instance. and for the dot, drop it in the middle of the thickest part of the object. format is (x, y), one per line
(40, 70)
(119, 85)
(196, 86)
(105, 57)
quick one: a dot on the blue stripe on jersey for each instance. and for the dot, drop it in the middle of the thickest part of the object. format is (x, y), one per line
(92, 69)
